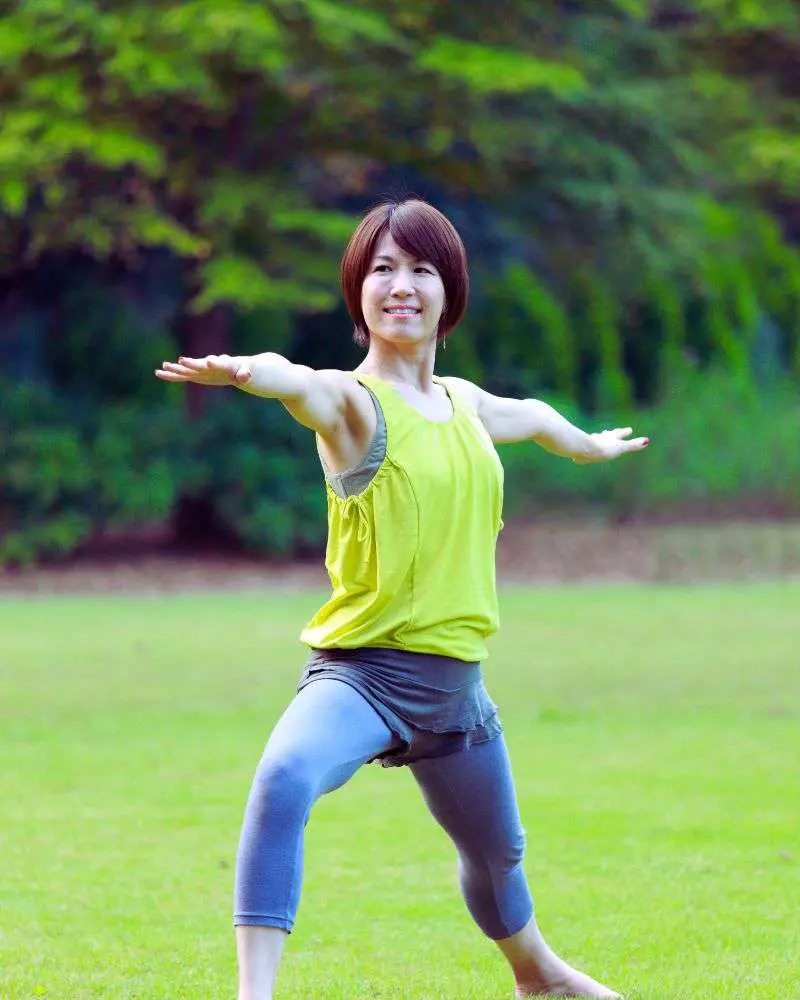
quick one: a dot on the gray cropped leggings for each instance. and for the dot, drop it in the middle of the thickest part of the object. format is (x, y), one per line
(327, 733)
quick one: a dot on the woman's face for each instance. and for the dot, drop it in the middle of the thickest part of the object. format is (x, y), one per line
(402, 298)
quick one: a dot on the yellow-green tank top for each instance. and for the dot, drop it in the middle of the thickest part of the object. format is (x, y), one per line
(411, 559)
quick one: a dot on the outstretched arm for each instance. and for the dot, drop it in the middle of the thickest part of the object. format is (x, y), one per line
(316, 399)
(510, 420)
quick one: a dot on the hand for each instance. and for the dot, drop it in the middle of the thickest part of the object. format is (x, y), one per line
(611, 444)
(216, 369)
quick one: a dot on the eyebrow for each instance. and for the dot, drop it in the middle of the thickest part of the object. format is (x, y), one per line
(391, 260)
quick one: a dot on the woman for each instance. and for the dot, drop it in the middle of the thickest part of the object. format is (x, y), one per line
(414, 491)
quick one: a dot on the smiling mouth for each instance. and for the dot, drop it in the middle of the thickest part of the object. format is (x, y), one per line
(402, 311)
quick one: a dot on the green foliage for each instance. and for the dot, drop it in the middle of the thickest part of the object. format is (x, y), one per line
(718, 445)
(344, 27)
(46, 485)
(46, 482)
(772, 155)
(610, 389)
(488, 70)
(104, 346)
(639, 175)
(239, 279)
(752, 15)
(70, 474)
(261, 468)
(229, 133)
(74, 473)
(552, 341)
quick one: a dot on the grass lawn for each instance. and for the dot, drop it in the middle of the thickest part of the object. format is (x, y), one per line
(655, 736)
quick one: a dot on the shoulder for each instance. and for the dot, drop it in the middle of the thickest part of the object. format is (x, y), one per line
(331, 402)
(467, 391)
(337, 378)
(343, 383)
(355, 398)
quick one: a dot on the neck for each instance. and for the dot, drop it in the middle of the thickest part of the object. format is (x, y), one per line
(410, 365)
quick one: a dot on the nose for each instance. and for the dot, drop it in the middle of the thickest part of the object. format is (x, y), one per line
(402, 285)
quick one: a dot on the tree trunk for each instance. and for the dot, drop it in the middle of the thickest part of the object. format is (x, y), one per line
(199, 335)
(196, 523)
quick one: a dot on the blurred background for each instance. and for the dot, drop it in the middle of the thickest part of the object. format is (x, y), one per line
(182, 177)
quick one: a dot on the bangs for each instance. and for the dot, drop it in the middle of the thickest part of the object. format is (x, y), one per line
(423, 232)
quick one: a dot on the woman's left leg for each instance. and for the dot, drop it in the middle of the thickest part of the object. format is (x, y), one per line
(471, 795)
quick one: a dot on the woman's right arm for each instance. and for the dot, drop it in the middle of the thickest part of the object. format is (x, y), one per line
(320, 400)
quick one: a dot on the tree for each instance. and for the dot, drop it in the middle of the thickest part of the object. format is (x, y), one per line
(229, 133)
(625, 151)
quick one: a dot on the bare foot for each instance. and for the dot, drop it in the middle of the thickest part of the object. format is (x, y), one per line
(539, 971)
(564, 981)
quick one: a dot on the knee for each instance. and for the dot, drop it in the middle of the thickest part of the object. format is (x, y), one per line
(499, 860)
(514, 852)
(283, 783)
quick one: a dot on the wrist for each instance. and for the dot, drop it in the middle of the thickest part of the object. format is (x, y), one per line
(590, 451)
(264, 369)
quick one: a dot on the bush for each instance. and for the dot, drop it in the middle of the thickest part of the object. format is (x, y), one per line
(720, 444)
(73, 472)
(46, 483)
(260, 467)
(70, 472)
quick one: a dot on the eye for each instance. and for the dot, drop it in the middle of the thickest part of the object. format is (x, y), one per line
(425, 270)
(380, 267)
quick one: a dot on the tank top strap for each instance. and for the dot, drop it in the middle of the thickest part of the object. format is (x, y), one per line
(461, 407)
(391, 402)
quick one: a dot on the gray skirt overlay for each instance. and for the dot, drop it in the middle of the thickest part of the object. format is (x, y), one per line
(433, 705)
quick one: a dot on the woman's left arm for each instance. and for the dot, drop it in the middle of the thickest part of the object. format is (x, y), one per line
(510, 420)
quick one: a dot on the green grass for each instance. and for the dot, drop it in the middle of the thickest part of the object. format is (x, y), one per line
(655, 740)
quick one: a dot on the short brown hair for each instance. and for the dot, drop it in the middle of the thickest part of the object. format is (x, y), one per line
(420, 230)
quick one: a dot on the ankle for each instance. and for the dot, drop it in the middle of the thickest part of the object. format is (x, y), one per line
(532, 978)
(530, 989)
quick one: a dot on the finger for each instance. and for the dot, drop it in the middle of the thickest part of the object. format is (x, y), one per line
(637, 444)
(243, 375)
(196, 364)
(166, 376)
(622, 432)
(177, 369)
(219, 362)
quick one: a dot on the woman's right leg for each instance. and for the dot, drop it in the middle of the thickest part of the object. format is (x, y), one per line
(324, 736)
